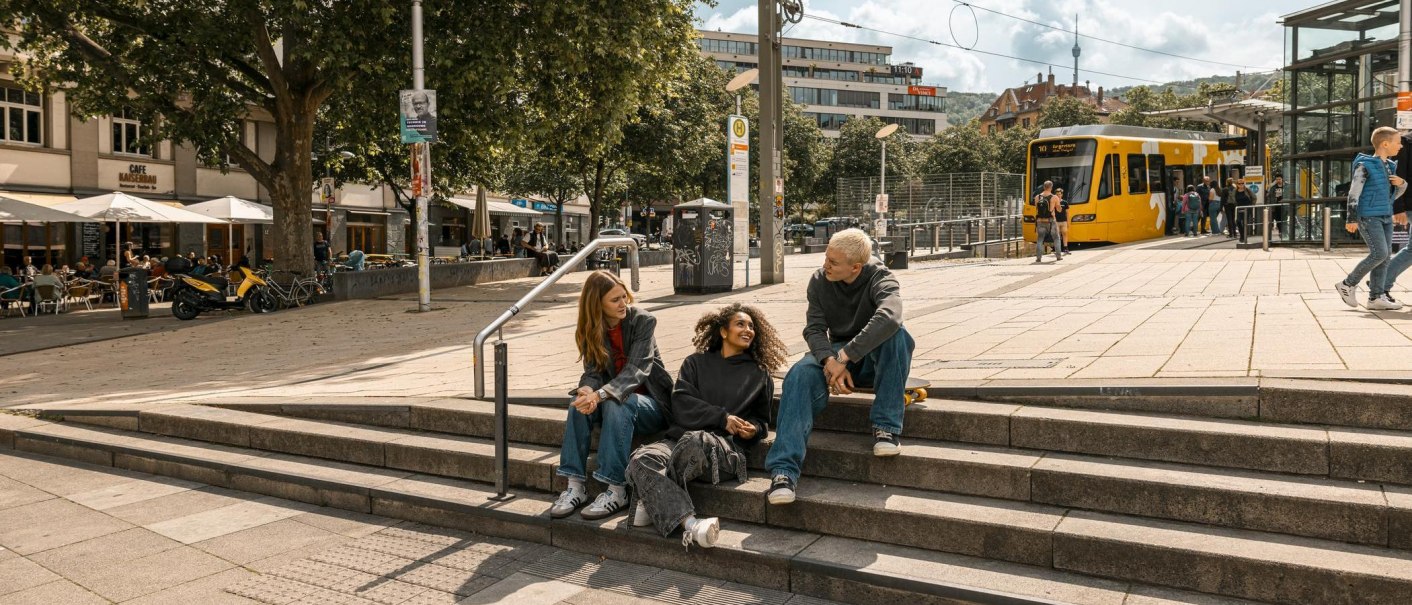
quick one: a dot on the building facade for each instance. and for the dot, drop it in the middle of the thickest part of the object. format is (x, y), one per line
(1340, 80)
(835, 81)
(1020, 106)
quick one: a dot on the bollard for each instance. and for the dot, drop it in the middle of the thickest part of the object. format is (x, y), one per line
(950, 237)
(1328, 222)
(502, 422)
(1265, 228)
(936, 234)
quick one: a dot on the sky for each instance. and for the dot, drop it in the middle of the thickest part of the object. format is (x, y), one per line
(1241, 33)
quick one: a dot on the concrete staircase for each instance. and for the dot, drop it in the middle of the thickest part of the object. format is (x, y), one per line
(1283, 492)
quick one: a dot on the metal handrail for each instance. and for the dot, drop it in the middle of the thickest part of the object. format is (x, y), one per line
(524, 302)
(972, 219)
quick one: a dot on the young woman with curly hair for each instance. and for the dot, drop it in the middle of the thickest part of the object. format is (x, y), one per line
(718, 409)
(624, 388)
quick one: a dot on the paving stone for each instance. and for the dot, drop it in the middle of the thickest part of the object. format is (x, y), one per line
(274, 590)
(146, 575)
(61, 591)
(210, 590)
(227, 520)
(137, 490)
(17, 574)
(265, 541)
(524, 589)
(13, 493)
(445, 579)
(95, 557)
(53, 523)
(177, 505)
(346, 523)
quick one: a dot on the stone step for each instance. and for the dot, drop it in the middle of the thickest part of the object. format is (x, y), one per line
(1304, 506)
(1346, 453)
(776, 557)
(1337, 403)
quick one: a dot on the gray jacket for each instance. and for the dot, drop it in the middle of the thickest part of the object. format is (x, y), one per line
(644, 366)
(863, 314)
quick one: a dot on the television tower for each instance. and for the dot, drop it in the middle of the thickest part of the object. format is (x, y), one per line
(1076, 51)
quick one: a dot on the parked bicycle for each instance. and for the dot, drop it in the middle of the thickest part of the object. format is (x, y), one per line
(294, 290)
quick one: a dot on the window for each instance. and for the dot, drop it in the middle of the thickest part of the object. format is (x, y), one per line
(127, 134)
(1109, 178)
(1027, 122)
(828, 121)
(836, 74)
(1137, 173)
(734, 47)
(1066, 162)
(1156, 172)
(923, 126)
(884, 79)
(916, 102)
(21, 111)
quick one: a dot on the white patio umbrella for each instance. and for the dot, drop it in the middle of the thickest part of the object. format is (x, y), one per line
(16, 211)
(480, 225)
(237, 211)
(121, 207)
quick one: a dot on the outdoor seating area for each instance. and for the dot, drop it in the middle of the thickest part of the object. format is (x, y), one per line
(65, 290)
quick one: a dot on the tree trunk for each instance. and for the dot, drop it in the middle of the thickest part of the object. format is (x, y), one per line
(595, 201)
(291, 193)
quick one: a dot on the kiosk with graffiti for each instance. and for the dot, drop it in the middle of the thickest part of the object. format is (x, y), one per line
(702, 254)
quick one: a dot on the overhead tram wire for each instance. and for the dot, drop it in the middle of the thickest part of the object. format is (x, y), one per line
(974, 50)
(1122, 44)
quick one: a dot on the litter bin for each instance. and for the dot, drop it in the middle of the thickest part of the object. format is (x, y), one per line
(132, 292)
(703, 247)
(894, 252)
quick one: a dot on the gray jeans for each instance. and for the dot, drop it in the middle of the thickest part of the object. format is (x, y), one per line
(658, 474)
(1046, 230)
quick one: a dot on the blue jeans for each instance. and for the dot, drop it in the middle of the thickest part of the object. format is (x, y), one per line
(806, 393)
(1213, 210)
(1377, 233)
(1395, 266)
(1193, 220)
(639, 415)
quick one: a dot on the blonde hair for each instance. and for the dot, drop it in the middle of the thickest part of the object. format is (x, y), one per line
(589, 334)
(1383, 134)
(854, 245)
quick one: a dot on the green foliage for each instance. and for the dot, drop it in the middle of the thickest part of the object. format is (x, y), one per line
(962, 107)
(858, 152)
(1067, 111)
(959, 148)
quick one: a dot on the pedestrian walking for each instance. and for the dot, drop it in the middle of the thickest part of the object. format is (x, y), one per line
(1213, 207)
(1045, 229)
(1061, 217)
(1371, 192)
(1239, 196)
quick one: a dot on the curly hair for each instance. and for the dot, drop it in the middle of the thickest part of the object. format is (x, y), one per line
(767, 348)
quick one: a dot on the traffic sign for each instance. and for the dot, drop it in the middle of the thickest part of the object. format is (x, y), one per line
(880, 203)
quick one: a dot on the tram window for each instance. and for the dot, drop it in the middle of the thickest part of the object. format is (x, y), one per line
(1156, 169)
(1137, 173)
(1110, 179)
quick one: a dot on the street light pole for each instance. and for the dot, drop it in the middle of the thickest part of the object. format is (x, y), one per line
(882, 135)
(418, 83)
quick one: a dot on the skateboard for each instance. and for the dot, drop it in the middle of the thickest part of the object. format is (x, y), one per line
(914, 391)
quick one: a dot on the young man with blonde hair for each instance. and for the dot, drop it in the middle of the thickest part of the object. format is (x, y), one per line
(854, 331)
(1374, 186)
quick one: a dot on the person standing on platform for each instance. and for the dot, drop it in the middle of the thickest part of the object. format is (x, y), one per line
(1371, 192)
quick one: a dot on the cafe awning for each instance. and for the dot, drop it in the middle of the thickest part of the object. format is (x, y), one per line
(495, 207)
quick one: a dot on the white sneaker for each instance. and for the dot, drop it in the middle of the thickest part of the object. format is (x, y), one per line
(703, 533)
(640, 517)
(1383, 303)
(605, 505)
(1349, 294)
(568, 502)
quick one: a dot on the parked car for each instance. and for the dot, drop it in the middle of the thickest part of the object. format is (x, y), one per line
(616, 232)
(799, 230)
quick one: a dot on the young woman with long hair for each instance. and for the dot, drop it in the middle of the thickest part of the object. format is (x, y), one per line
(624, 388)
(719, 408)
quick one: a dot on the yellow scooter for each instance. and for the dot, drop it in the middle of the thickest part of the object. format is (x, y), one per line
(191, 295)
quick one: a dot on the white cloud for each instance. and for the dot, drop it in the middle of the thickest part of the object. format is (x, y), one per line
(1226, 32)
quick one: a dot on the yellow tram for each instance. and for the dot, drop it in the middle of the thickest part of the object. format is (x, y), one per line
(1117, 179)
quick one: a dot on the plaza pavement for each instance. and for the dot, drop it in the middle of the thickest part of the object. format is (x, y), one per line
(1165, 309)
(75, 534)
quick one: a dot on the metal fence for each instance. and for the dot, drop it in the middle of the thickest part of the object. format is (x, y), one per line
(933, 197)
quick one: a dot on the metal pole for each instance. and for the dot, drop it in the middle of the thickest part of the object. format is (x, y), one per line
(502, 421)
(1328, 222)
(418, 83)
(882, 185)
(1404, 48)
(1265, 228)
(771, 108)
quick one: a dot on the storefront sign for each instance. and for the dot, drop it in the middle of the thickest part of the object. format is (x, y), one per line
(136, 178)
(922, 91)
(537, 205)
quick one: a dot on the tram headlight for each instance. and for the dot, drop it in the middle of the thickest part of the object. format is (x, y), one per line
(1083, 218)
(1029, 219)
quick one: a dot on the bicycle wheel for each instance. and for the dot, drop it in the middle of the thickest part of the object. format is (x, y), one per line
(300, 293)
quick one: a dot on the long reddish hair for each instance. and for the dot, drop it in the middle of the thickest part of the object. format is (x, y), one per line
(589, 334)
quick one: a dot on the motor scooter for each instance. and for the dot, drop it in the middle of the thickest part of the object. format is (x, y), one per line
(192, 295)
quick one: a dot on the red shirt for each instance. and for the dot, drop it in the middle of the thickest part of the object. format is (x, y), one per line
(619, 354)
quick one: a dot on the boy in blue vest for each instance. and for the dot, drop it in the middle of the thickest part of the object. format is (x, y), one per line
(1370, 196)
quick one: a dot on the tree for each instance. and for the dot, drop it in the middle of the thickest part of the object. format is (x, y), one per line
(548, 174)
(193, 71)
(858, 152)
(1067, 111)
(674, 150)
(1012, 148)
(959, 148)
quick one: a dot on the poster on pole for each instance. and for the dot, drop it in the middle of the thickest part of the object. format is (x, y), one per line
(326, 191)
(738, 158)
(418, 116)
(421, 171)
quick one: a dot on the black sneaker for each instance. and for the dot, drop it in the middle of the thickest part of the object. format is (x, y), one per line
(885, 444)
(781, 490)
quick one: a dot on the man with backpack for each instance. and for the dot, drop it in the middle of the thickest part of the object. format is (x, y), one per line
(1191, 211)
(1045, 227)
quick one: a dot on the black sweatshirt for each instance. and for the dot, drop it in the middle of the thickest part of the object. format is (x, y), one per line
(863, 314)
(710, 387)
